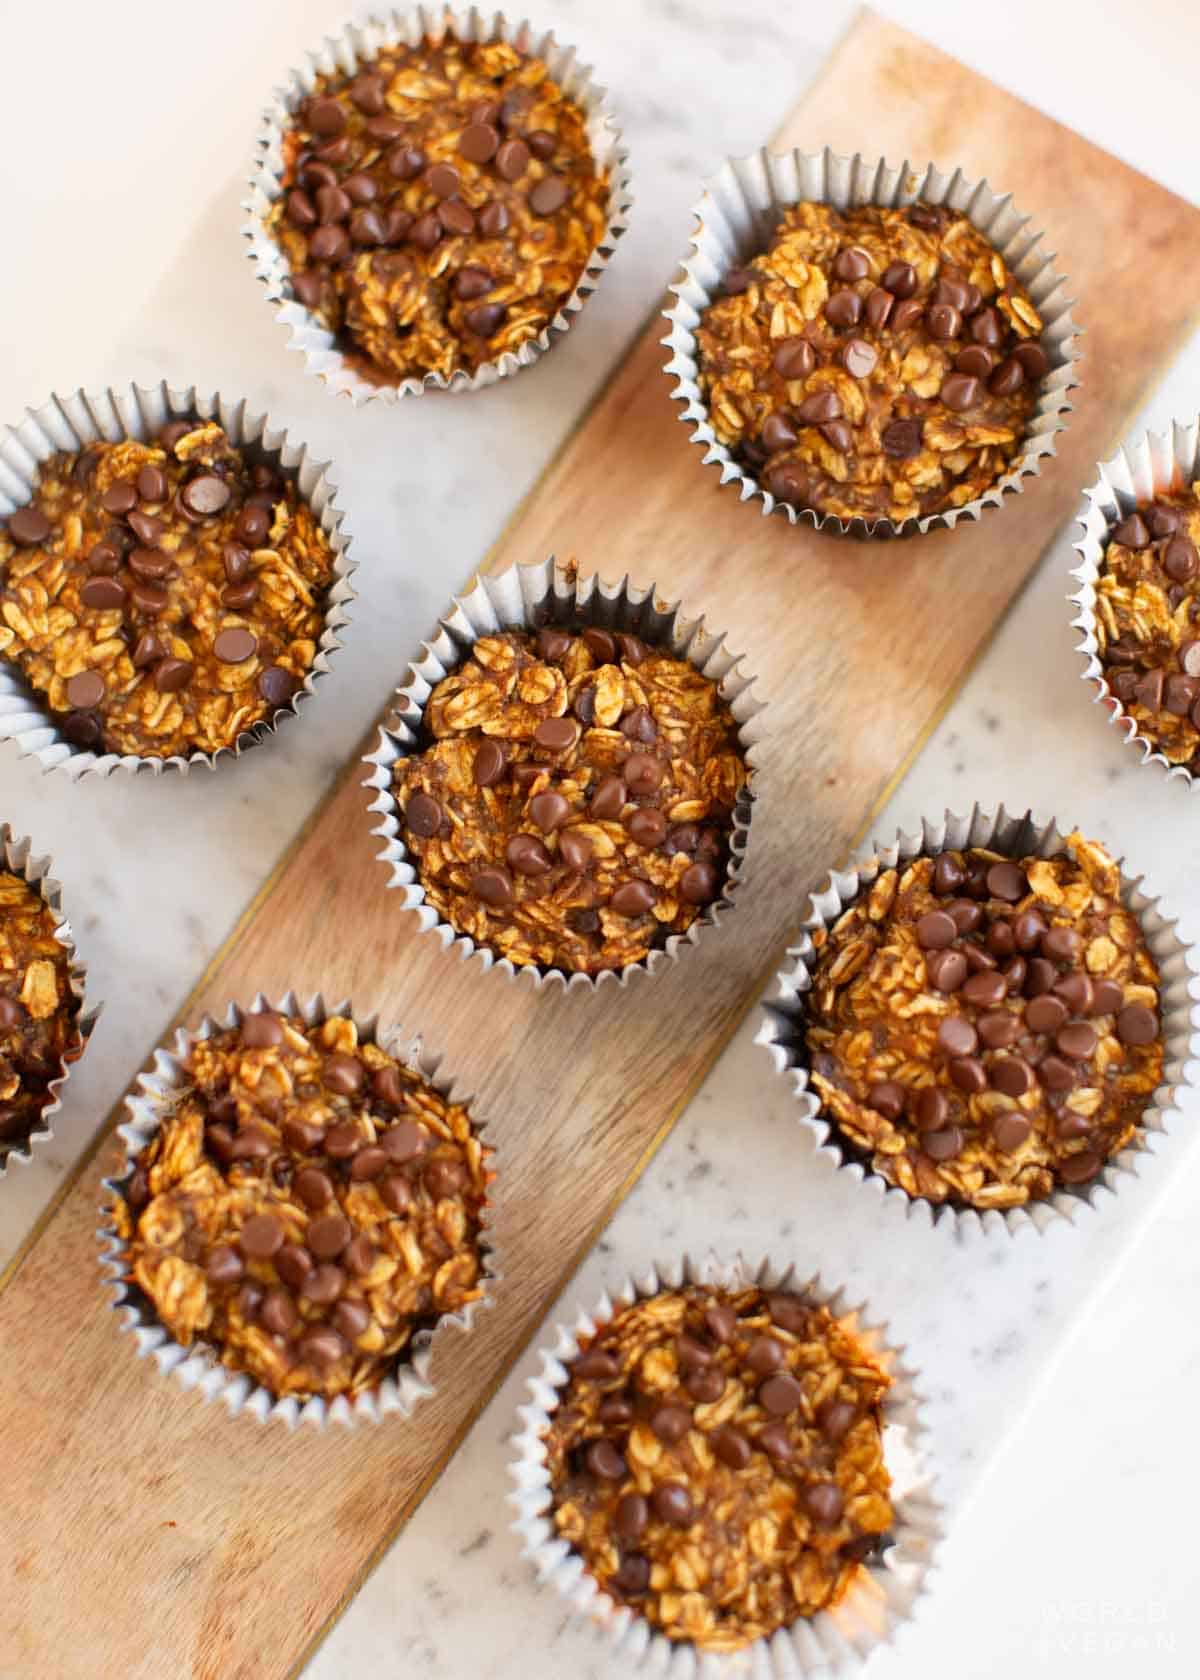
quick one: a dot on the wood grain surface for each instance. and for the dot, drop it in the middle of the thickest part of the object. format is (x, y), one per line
(146, 1534)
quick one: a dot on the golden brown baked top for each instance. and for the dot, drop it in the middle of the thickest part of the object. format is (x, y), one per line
(440, 207)
(1148, 622)
(986, 1029)
(717, 1461)
(574, 806)
(873, 363)
(39, 1027)
(307, 1207)
(162, 598)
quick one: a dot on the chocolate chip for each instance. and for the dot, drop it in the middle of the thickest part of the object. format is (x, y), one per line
(1078, 1041)
(119, 498)
(789, 1312)
(1056, 1074)
(823, 1502)
(988, 328)
(605, 1461)
(630, 1516)
(1179, 559)
(705, 1387)
(1007, 379)
(820, 408)
(968, 1074)
(933, 1108)
(1041, 976)
(776, 1442)
(328, 1236)
(458, 218)
(935, 931)
(1137, 1025)
(1005, 880)
(947, 970)
(646, 828)
(902, 439)
(146, 528)
(313, 1187)
(721, 1323)
(1077, 1169)
(859, 358)
(780, 1394)
(794, 359)
(957, 1037)
(299, 1134)
(556, 734)
(632, 1576)
(1107, 997)
(672, 1503)
(360, 1254)
(85, 689)
(671, 1423)
(975, 361)
(879, 307)
(396, 1193)
(549, 195)
(29, 526)
(997, 1031)
(205, 495)
(899, 278)
(844, 309)
(493, 220)
(426, 231)
(1076, 991)
(944, 1144)
(493, 886)
(838, 435)
(485, 319)
(985, 989)
(1033, 359)
(1009, 1131)
(777, 433)
(960, 392)
(634, 898)
(575, 850)
(224, 1265)
(261, 1236)
(234, 646)
(104, 594)
(479, 142)
(104, 558)
(944, 321)
(1131, 532)
(278, 1312)
(423, 816)
(527, 855)
(887, 1098)
(322, 1346)
(764, 1355)
(836, 1418)
(852, 264)
(324, 115)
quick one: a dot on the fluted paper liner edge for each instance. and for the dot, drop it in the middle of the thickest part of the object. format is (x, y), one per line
(135, 411)
(735, 218)
(343, 53)
(839, 1640)
(527, 597)
(1014, 836)
(198, 1367)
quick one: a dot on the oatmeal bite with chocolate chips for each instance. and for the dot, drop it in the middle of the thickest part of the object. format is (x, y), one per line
(986, 1029)
(162, 598)
(716, 1460)
(440, 207)
(39, 1012)
(871, 363)
(575, 803)
(1147, 620)
(308, 1206)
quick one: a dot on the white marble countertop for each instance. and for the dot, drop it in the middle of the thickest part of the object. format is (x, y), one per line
(1058, 1370)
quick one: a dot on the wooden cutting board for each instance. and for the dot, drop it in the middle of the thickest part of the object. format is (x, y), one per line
(145, 1534)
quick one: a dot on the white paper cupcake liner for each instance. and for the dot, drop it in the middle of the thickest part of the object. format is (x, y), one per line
(736, 217)
(343, 53)
(198, 1367)
(782, 1032)
(838, 1640)
(72, 423)
(528, 597)
(18, 859)
(1157, 462)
